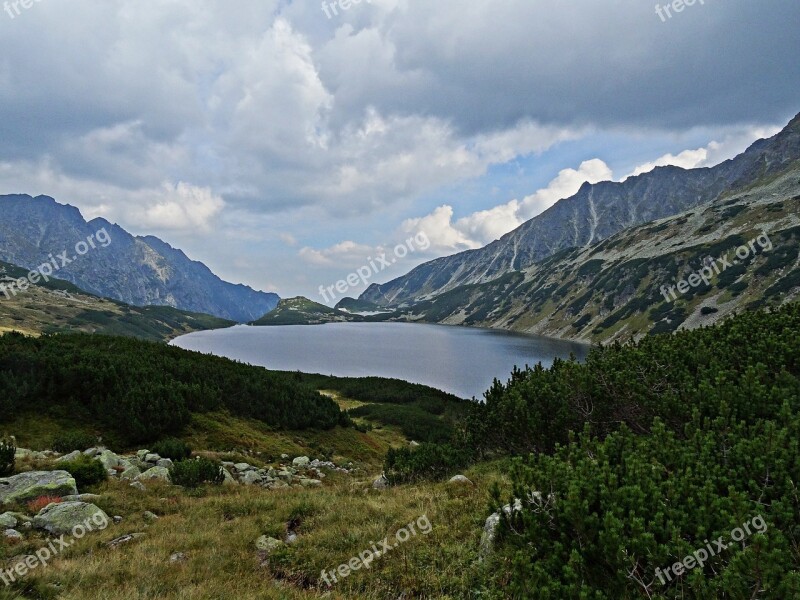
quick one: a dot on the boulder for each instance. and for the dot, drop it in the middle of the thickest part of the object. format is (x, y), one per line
(69, 457)
(109, 459)
(286, 476)
(141, 454)
(229, 479)
(310, 482)
(8, 521)
(32, 485)
(165, 462)
(150, 517)
(381, 483)
(82, 498)
(159, 473)
(139, 486)
(64, 517)
(250, 478)
(130, 473)
(460, 480)
(125, 539)
(13, 536)
(91, 452)
(152, 458)
(301, 462)
(490, 528)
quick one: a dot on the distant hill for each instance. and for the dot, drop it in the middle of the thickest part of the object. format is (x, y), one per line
(59, 306)
(140, 271)
(302, 311)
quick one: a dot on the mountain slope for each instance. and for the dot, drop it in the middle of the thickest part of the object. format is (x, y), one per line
(59, 306)
(620, 288)
(302, 311)
(594, 214)
(136, 270)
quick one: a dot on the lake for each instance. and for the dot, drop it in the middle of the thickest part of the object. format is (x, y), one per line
(459, 360)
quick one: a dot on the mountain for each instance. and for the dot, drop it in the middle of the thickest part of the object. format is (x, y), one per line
(592, 215)
(58, 306)
(626, 286)
(105, 260)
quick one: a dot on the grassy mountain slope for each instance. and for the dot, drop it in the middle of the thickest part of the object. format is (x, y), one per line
(59, 306)
(612, 290)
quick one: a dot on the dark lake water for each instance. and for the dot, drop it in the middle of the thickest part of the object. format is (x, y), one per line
(459, 360)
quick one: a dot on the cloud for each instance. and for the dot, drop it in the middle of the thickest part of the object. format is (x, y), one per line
(482, 227)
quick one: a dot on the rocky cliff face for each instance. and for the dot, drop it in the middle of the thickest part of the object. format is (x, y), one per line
(594, 214)
(140, 271)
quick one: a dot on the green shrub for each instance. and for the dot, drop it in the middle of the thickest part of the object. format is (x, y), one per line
(426, 461)
(71, 441)
(8, 451)
(192, 473)
(85, 470)
(172, 448)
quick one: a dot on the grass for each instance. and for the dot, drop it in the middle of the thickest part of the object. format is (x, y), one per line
(216, 528)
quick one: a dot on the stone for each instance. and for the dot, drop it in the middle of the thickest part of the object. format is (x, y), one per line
(284, 456)
(178, 557)
(91, 452)
(8, 521)
(490, 528)
(125, 539)
(69, 457)
(301, 462)
(141, 454)
(62, 518)
(381, 483)
(139, 486)
(35, 484)
(229, 479)
(117, 519)
(156, 473)
(13, 536)
(130, 473)
(310, 482)
(150, 516)
(165, 462)
(268, 544)
(250, 478)
(152, 458)
(461, 480)
(285, 476)
(109, 459)
(82, 498)
(242, 467)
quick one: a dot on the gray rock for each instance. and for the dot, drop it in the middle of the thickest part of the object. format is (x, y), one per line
(178, 557)
(490, 528)
(165, 462)
(381, 483)
(64, 517)
(125, 539)
(150, 517)
(460, 479)
(268, 544)
(141, 454)
(29, 486)
(109, 459)
(250, 478)
(285, 476)
(82, 498)
(284, 456)
(139, 486)
(130, 473)
(276, 485)
(152, 458)
(13, 536)
(91, 452)
(242, 467)
(8, 521)
(117, 519)
(156, 473)
(71, 456)
(301, 462)
(229, 479)
(310, 482)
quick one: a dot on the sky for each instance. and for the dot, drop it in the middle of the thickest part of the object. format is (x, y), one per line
(287, 144)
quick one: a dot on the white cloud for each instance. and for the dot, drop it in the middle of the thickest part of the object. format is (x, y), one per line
(482, 227)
